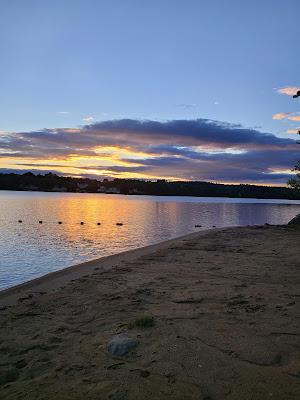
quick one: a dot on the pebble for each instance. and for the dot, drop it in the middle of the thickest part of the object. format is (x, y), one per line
(121, 344)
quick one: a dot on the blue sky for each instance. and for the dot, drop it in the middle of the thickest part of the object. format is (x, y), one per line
(70, 63)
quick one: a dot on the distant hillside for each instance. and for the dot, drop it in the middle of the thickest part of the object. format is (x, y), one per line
(54, 183)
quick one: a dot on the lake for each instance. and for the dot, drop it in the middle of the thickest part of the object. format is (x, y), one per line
(30, 249)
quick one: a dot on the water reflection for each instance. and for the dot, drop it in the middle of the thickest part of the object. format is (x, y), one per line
(31, 249)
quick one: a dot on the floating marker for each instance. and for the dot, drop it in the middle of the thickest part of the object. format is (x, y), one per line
(20, 221)
(198, 226)
(98, 223)
(40, 222)
(119, 224)
(81, 223)
(59, 222)
(214, 226)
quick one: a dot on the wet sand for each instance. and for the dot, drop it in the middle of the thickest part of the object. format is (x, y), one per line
(225, 305)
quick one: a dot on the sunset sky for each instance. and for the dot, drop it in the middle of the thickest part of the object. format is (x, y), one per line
(195, 90)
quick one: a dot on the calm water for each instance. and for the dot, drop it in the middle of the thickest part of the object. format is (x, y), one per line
(30, 249)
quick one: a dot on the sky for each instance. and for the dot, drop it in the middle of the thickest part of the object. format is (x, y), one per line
(193, 89)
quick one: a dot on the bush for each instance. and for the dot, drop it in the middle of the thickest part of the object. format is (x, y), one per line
(142, 322)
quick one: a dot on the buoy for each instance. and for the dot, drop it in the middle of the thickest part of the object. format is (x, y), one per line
(214, 226)
(59, 222)
(198, 226)
(40, 222)
(81, 223)
(20, 221)
(98, 223)
(119, 224)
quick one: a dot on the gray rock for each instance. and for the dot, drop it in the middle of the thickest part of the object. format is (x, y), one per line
(295, 221)
(121, 344)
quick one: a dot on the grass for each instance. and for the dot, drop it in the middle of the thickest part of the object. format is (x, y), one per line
(145, 321)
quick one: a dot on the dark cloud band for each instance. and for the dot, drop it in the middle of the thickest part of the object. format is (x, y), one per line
(189, 149)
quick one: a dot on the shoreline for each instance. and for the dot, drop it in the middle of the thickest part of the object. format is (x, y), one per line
(162, 195)
(56, 279)
(225, 312)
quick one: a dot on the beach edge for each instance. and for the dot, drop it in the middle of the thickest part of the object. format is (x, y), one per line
(56, 279)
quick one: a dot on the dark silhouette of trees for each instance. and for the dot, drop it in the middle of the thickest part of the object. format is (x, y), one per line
(295, 182)
(55, 183)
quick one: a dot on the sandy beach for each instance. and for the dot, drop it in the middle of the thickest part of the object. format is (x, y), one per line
(226, 322)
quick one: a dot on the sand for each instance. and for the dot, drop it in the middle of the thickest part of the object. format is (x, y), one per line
(225, 306)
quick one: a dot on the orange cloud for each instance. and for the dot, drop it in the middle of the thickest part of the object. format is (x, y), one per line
(293, 130)
(287, 115)
(280, 115)
(288, 90)
(294, 118)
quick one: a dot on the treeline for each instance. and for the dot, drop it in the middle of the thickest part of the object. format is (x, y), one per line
(46, 183)
(207, 189)
(54, 183)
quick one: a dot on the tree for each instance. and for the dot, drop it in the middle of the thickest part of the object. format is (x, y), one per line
(295, 182)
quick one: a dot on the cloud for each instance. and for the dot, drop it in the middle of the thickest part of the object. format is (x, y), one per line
(297, 130)
(63, 112)
(198, 132)
(288, 90)
(294, 118)
(198, 149)
(88, 119)
(287, 115)
(280, 115)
